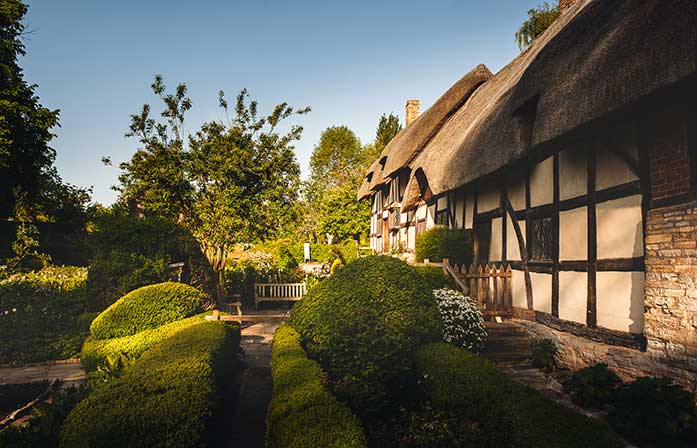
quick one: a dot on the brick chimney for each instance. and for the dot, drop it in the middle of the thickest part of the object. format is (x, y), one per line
(563, 4)
(412, 111)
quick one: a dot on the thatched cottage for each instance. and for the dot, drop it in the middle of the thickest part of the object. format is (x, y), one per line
(575, 164)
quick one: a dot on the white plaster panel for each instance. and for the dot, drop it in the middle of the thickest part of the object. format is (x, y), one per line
(620, 301)
(459, 208)
(411, 237)
(469, 210)
(619, 228)
(443, 202)
(489, 198)
(542, 183)
(429, 217)
(573, 234)
(421, 212)
(573, 173)
(516, 194)
(611, 170)
(496, 245)
(541, 292)
(512, 248)
(573, 296)
(518, 295)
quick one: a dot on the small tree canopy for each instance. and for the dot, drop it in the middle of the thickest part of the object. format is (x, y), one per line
(539, 19)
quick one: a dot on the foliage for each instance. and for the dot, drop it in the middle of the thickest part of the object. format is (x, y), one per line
(234, 183)
(506, 413)
(171, 396)
(362, 324)
(302, 413)
(388, 127)
(146, 308)
(42, 315)
(434, 277)
(441, 242)
(539, 19)
(130, 252)
(96, 352)
(592, 386)
(25, 248)
(463, 323)
(543, 351)
(334, 157)
(13, 396)
(336, 265)
(43, 428)
(341, 215)
(654, 412)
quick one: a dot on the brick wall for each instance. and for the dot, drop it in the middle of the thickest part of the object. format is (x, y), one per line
(669, 162)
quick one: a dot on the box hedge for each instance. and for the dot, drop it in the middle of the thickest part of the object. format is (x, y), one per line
(98, 351)
(442, 242)
(363, 323)
(170, 397)
(148, 307)
(302, 412)
(505, 413)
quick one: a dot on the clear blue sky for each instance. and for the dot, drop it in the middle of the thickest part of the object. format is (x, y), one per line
(350, 61)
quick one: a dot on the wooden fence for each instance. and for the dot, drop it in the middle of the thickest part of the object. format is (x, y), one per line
(490, 285)
(272, 292)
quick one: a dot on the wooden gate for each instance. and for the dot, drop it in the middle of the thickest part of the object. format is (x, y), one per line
(489, 285)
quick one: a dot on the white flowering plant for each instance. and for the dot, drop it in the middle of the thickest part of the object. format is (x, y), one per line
(463, 323)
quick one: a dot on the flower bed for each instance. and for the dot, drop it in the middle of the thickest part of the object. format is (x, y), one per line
(463, 323)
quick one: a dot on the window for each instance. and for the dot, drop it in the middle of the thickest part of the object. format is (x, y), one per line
(420, 227)
(442, 218)
(541, 239)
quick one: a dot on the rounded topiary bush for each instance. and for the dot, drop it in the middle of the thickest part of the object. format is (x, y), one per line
(463, 323)
(148, 307)
(441, 242)
(363, 323)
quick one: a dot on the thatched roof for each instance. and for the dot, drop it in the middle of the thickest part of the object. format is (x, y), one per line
(597, 59)
(407, 144)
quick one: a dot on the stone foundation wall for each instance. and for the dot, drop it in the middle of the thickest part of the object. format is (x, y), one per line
(575, 352)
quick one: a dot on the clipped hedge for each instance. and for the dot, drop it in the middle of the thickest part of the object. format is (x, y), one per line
(148, 307)
(362, 325)
(442, 242)
(97, 351)
(434, 277)
(302, 412)
(170, 397)
(504, 412)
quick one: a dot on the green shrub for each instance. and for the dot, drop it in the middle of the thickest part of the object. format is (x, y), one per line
(362, 325)
(302, 413)
(507, 413)
(463, 322)
(148, 307)
(98, 351)
(441, 242)
(592, 386)
(42, 315)
(654, 412)
(129, 252)
(336, 265)
(543, 352)
(172, 396)
(434, 277)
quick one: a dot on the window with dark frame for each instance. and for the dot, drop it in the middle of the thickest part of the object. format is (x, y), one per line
(420, 226)
(442, 218)
(541, 239)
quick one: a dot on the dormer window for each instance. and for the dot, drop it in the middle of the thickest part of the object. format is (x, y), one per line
(383, 161)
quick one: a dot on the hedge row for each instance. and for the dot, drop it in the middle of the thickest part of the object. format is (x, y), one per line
(504, 413)
(146, 308)
(302, 412)
(97, 351)
(441, 242)
(170, 397)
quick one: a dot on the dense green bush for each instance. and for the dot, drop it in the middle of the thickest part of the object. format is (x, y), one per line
(302, 413)
(43, 428)
(506, 413)
(146, 308)
(362, 325)
(98, 351)
(172, 396)
(654, 412)
(434, 277)
(42, 315)
(128, 253)
(592, 386)
(441, 242)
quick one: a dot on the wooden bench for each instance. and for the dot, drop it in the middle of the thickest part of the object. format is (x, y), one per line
(278, 292)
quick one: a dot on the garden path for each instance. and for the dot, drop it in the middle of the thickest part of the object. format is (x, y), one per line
(256, 385)
(69, 372)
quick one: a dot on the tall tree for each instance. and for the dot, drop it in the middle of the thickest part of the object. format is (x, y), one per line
(335, 158)
(388, 127)
(539, 19)
(231, 182)
(26, 159)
